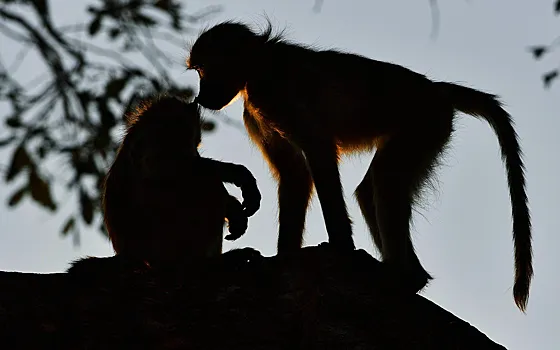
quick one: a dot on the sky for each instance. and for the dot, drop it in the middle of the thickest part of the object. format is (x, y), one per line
(463, 235)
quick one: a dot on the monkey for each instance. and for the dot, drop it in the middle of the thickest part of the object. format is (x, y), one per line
(162, 201)
(305, 108)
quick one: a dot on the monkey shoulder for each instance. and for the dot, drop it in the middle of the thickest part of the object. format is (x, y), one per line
(274, 90)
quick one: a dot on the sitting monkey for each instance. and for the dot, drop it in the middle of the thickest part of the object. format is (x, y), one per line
(162, 201)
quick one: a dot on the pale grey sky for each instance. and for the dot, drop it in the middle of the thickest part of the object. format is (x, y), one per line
(464, 235)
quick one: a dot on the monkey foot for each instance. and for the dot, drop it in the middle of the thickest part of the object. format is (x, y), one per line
(409, 281)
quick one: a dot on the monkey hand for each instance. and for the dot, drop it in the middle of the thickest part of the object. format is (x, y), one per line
(241, 177)
(236, 218)
(236, 228)
(249, 189)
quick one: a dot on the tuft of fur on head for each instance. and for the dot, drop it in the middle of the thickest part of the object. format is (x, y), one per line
(143, 106)
(273, 38)
(238, 30)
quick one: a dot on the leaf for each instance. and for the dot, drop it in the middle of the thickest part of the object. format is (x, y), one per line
(95, 25)
(208, 126)
(101, 141)
(114, 32)
(17, 196)
(144, 20)
(20, 160)
(176, 23)
(106, 116)
(7, 141)
(549, 77)
(115, 86)
(538, 51)
(156, 85)
(68, 226)
(86, 207)
(14, 122)
(163, 4)
(41, 191)
(103, 230)
(42, 151)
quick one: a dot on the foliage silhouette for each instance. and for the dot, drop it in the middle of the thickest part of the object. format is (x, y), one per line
(539, 51)
(73, 109)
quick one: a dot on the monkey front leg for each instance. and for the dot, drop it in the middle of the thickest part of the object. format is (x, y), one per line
(288, 166)
(322, 159)
(240, 176)
(294, 189)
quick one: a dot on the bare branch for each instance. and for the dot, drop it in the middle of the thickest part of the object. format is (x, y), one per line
(435, 18)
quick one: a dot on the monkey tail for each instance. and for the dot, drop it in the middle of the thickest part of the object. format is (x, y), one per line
(488, 107)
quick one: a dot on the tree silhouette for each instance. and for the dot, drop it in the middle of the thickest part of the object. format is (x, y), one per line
(71, 111)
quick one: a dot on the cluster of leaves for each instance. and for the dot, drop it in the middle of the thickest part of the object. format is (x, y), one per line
(539, 51)
(70, 112)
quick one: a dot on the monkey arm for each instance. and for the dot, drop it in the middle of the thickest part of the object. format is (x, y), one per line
(241, 177)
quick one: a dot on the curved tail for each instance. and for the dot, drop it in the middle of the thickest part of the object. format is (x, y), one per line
(489, 108)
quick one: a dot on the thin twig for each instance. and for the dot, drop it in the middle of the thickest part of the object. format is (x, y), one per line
(71, 28)
(126, 63)
(18, 60)
(152, 57)
(318, 6)
(168, 37)
(148, 33)
(44, 15)
(435, 19)
(14, 35)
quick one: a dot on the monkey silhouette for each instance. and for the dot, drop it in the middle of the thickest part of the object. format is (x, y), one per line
(305, 107)
(162, 201)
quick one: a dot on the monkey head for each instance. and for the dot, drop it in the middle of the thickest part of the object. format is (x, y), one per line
(157, 126)
(223, 56)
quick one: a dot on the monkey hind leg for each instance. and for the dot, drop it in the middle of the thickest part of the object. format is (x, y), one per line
(401, 167)
(365, 196)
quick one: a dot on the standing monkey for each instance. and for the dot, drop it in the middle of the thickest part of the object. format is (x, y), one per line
(304, 108)
(161, 200)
